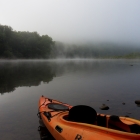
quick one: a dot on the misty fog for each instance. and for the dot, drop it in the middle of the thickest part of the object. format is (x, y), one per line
(77, 21)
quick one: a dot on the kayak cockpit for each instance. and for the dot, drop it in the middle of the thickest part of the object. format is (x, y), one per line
(86, 114)
(113, 122)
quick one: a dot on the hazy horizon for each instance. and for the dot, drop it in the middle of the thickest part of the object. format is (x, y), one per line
(76, 21)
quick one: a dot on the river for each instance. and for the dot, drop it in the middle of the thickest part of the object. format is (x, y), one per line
(92, 82)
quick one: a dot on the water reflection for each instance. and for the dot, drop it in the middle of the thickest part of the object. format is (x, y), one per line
(89, 82)
(13, 75)
(44, 133)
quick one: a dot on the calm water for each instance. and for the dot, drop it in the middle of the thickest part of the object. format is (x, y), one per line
(89, 82)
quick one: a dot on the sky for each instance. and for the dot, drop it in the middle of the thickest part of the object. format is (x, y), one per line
(75, 20)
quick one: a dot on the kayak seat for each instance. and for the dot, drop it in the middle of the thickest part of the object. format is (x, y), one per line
(135, 128)
(115, 123)
(83, 114)
(101, 120)
(119, 125)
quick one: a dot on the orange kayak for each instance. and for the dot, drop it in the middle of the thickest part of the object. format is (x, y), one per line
(81, 122)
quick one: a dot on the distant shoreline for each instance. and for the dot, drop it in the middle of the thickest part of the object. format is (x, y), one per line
(67, 59)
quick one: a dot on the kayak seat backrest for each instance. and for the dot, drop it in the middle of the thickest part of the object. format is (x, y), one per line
(101, 120)
(135, 128)
(82, 114)
(115, 123)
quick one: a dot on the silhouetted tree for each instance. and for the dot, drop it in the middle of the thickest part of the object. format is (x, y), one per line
(23, 44)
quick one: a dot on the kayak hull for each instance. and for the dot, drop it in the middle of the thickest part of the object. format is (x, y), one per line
(56, 121)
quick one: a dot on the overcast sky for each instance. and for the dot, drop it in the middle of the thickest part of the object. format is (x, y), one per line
(75, 20)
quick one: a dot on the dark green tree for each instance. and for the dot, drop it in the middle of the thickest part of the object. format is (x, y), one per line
(15, 44)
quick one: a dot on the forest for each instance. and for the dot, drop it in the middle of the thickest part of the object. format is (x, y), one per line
(30, 45)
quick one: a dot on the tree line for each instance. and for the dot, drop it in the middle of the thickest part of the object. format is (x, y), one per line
(30, 45)
(16, 44)
(98, 50)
